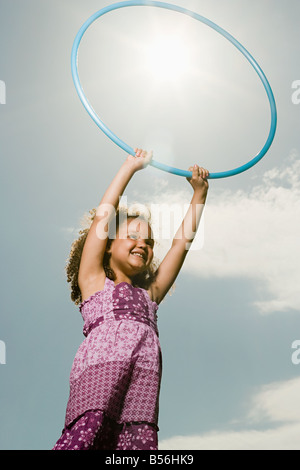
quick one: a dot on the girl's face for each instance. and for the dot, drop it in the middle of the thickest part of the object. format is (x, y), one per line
(132, 249)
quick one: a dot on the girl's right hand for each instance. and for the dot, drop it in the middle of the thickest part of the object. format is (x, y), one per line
(141, 160)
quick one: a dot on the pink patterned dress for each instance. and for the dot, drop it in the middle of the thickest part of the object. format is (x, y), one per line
(116, 374)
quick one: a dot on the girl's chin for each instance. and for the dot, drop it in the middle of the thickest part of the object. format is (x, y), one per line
(138, 267)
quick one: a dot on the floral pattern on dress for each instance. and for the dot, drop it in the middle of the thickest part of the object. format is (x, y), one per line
(95, 431)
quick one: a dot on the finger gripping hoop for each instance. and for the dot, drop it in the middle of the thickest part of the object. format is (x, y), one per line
(212, 25)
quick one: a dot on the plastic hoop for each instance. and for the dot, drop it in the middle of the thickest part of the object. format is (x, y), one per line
(209, 23)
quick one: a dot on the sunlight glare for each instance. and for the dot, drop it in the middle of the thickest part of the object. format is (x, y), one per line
(167, 58)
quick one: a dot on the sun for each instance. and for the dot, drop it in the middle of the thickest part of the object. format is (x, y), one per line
(168, 58)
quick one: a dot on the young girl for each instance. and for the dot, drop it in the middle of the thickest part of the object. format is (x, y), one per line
(116, 374)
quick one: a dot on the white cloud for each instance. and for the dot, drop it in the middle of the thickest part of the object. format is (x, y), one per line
(281, 438)
(254, 235)
(277, 402)
(274, 403)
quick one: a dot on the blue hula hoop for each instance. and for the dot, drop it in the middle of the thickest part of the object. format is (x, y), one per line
(130, 150)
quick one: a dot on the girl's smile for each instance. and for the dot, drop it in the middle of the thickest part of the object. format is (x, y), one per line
(138, 253)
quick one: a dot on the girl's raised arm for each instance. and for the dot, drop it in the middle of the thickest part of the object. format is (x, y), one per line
(91, 263)
(173, 261)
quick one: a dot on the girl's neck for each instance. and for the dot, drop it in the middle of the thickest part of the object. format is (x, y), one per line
(120, 277)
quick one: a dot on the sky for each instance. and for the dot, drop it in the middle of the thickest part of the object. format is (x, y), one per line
(230, 329)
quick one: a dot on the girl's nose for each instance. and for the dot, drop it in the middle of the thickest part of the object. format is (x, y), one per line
(141, 242)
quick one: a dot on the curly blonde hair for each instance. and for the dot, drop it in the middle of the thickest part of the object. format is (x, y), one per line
(143, 279)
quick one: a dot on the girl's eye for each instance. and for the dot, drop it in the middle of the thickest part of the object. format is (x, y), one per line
(133, 235)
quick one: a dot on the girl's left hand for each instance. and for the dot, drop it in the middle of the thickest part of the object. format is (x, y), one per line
(141, 160)
(198, 181)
